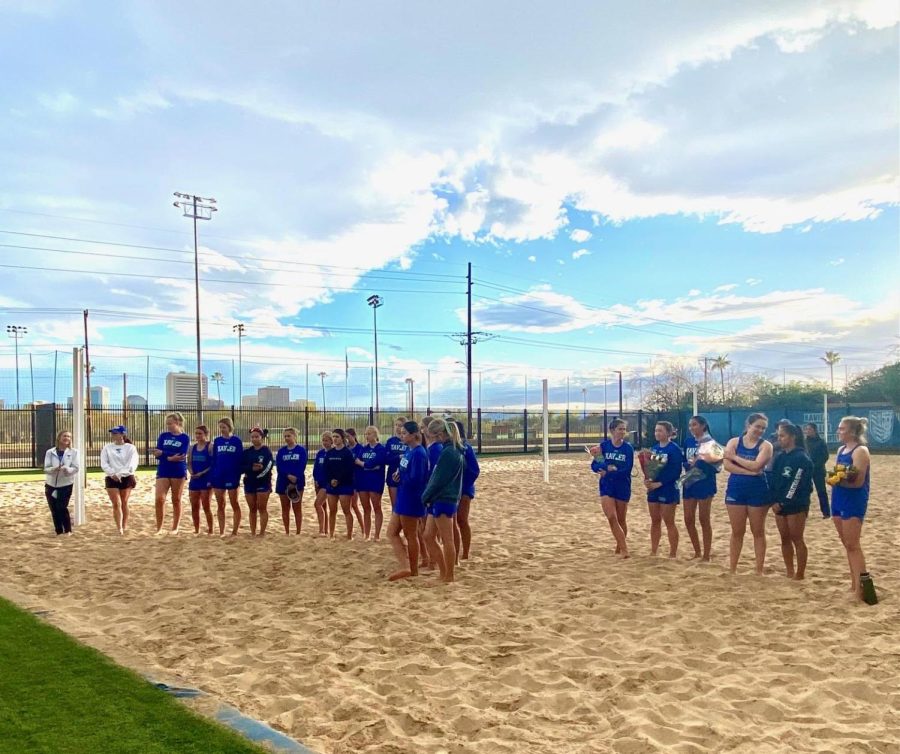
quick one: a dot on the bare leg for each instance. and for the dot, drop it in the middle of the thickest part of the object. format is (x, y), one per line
(251, 504)
(285, 513)
(797, 525)
(332, 513)
(655, 526)
(621, 514)
(424, 554)
(852, 530)
(298, 512)
(124, 496)
(787, 546)
(366, 503)
(757, 515)
(116, 501)
(220, 510)
(690, 523)
(609, 509)
(354, 503)
(194, 497)
(346, 503)
(177, 490)
(434, 549)
(445, 527)
(705, 507)
(392, 494)
(375, 499)
(839, 526)
(322, 511)
(205, 497)
(462, 523)
(262, 502)
(161, 489)
(235, 512)
(668, 516)
(737, 516)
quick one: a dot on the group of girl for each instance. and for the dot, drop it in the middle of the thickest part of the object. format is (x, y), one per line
(430, 490)
(761, 477)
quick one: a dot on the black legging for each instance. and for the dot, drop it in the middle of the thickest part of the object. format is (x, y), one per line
(821, 490)
(59, 507)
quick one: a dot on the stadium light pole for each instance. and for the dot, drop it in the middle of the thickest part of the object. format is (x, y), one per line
(410, 382)
(15, 332)
(197, 208)
(239, 329)
(322, 376)
(618, 372)
(375, 301)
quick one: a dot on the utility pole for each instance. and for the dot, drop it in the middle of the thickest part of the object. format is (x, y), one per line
(375, 301)
(469, 349)
(322, 376)
(88, 368)
(197, 208)
(584, 399)
(239, 329)
(15, 332)
(618, 372)
(428, 407)
(467, 340)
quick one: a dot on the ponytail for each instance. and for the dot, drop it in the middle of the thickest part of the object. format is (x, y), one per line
(443, 427)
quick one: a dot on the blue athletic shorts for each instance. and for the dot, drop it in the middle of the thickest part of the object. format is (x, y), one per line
(845, 509)
(414, 509)
(255, 489)
(664, 497)
(344, 489)
(617, 488)
(198, 485)
(225, 483)
(443, 508)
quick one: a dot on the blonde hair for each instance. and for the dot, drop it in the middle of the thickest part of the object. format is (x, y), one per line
(439, 427)
(60, 434)
(228, 423)
(375, 430)
(292, 430)
(401, 419)
(857, 425)
(176, 417)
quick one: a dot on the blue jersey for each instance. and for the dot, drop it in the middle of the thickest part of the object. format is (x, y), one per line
(394, 448)
(319, 474)
(745, 489)
(849, 502)
(201, 460)
(434, 453)
(227, 458)
(620, 456)
(471, 472)
(702, 488)
(172, 445)
(671, 455)
(356, 450)
(370, 478)
(291, 461)
(414, 473)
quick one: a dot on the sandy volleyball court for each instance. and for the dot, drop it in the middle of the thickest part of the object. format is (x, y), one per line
(548, 643)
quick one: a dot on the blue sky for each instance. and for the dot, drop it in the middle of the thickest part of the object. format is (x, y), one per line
(635, 185)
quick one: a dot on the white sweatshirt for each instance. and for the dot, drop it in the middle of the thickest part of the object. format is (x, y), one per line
(60, 474)
(119, 460)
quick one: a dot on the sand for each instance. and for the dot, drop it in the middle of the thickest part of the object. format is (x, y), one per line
(548, 643)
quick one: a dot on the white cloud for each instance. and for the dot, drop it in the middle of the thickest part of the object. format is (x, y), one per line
(580, 235)
(532, 258)
(560, 261)
(694, 292)
(752, 281)
(836, 262)
(580, 253)
(61, 102)
(724, 288)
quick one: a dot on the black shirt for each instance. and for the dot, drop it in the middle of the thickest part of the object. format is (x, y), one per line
(340, 465)
(792, 479)
(818, 451)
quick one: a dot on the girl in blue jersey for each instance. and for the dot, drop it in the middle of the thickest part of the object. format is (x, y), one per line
(410, 477)
(290, 463)
(441, 496)
(850, 498)
(370, 461)
(747, 493)
(171, 451)
(663, 494)
(462, 536)
(257, 467)
(227, 460)
(340, 465)
(395, 448)
(199, 464)
(792, 482)
(698, 495)
(354, 447)
(320, 482)
(613, 462)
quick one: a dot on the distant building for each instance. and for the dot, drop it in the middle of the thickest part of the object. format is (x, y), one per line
(99, 396)
(213, 403)
(249, 401)
(135, 401)
(303, 403)
(273, 396)
(181, 389)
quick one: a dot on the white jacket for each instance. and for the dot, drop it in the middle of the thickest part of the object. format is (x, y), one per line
(58, 474)
(119, 460)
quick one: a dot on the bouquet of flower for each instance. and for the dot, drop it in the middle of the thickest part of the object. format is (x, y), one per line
(695, 474)
(651, 464)
(841, 473)
(711, 448)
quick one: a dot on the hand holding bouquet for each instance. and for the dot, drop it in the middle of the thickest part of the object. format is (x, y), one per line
(651, 465)
(841, 473)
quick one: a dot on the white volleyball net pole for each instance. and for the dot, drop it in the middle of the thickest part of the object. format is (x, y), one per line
(546, 430)
(78, 439)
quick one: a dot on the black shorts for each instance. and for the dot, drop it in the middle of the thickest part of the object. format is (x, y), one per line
(125, 483)
(790, 510)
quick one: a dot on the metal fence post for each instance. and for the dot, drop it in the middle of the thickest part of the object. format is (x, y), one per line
(567, 430)
(371, 416)
(605, 425)
(146, 434)
(306, 426)
(478, 430)
(525, 431)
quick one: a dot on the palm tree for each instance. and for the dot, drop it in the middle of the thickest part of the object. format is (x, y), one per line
(831, 358)
(218, 378)
(721, 363)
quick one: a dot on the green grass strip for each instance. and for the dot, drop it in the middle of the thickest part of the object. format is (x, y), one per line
(60, 697)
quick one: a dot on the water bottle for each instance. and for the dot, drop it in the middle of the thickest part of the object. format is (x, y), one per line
(867, 586)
